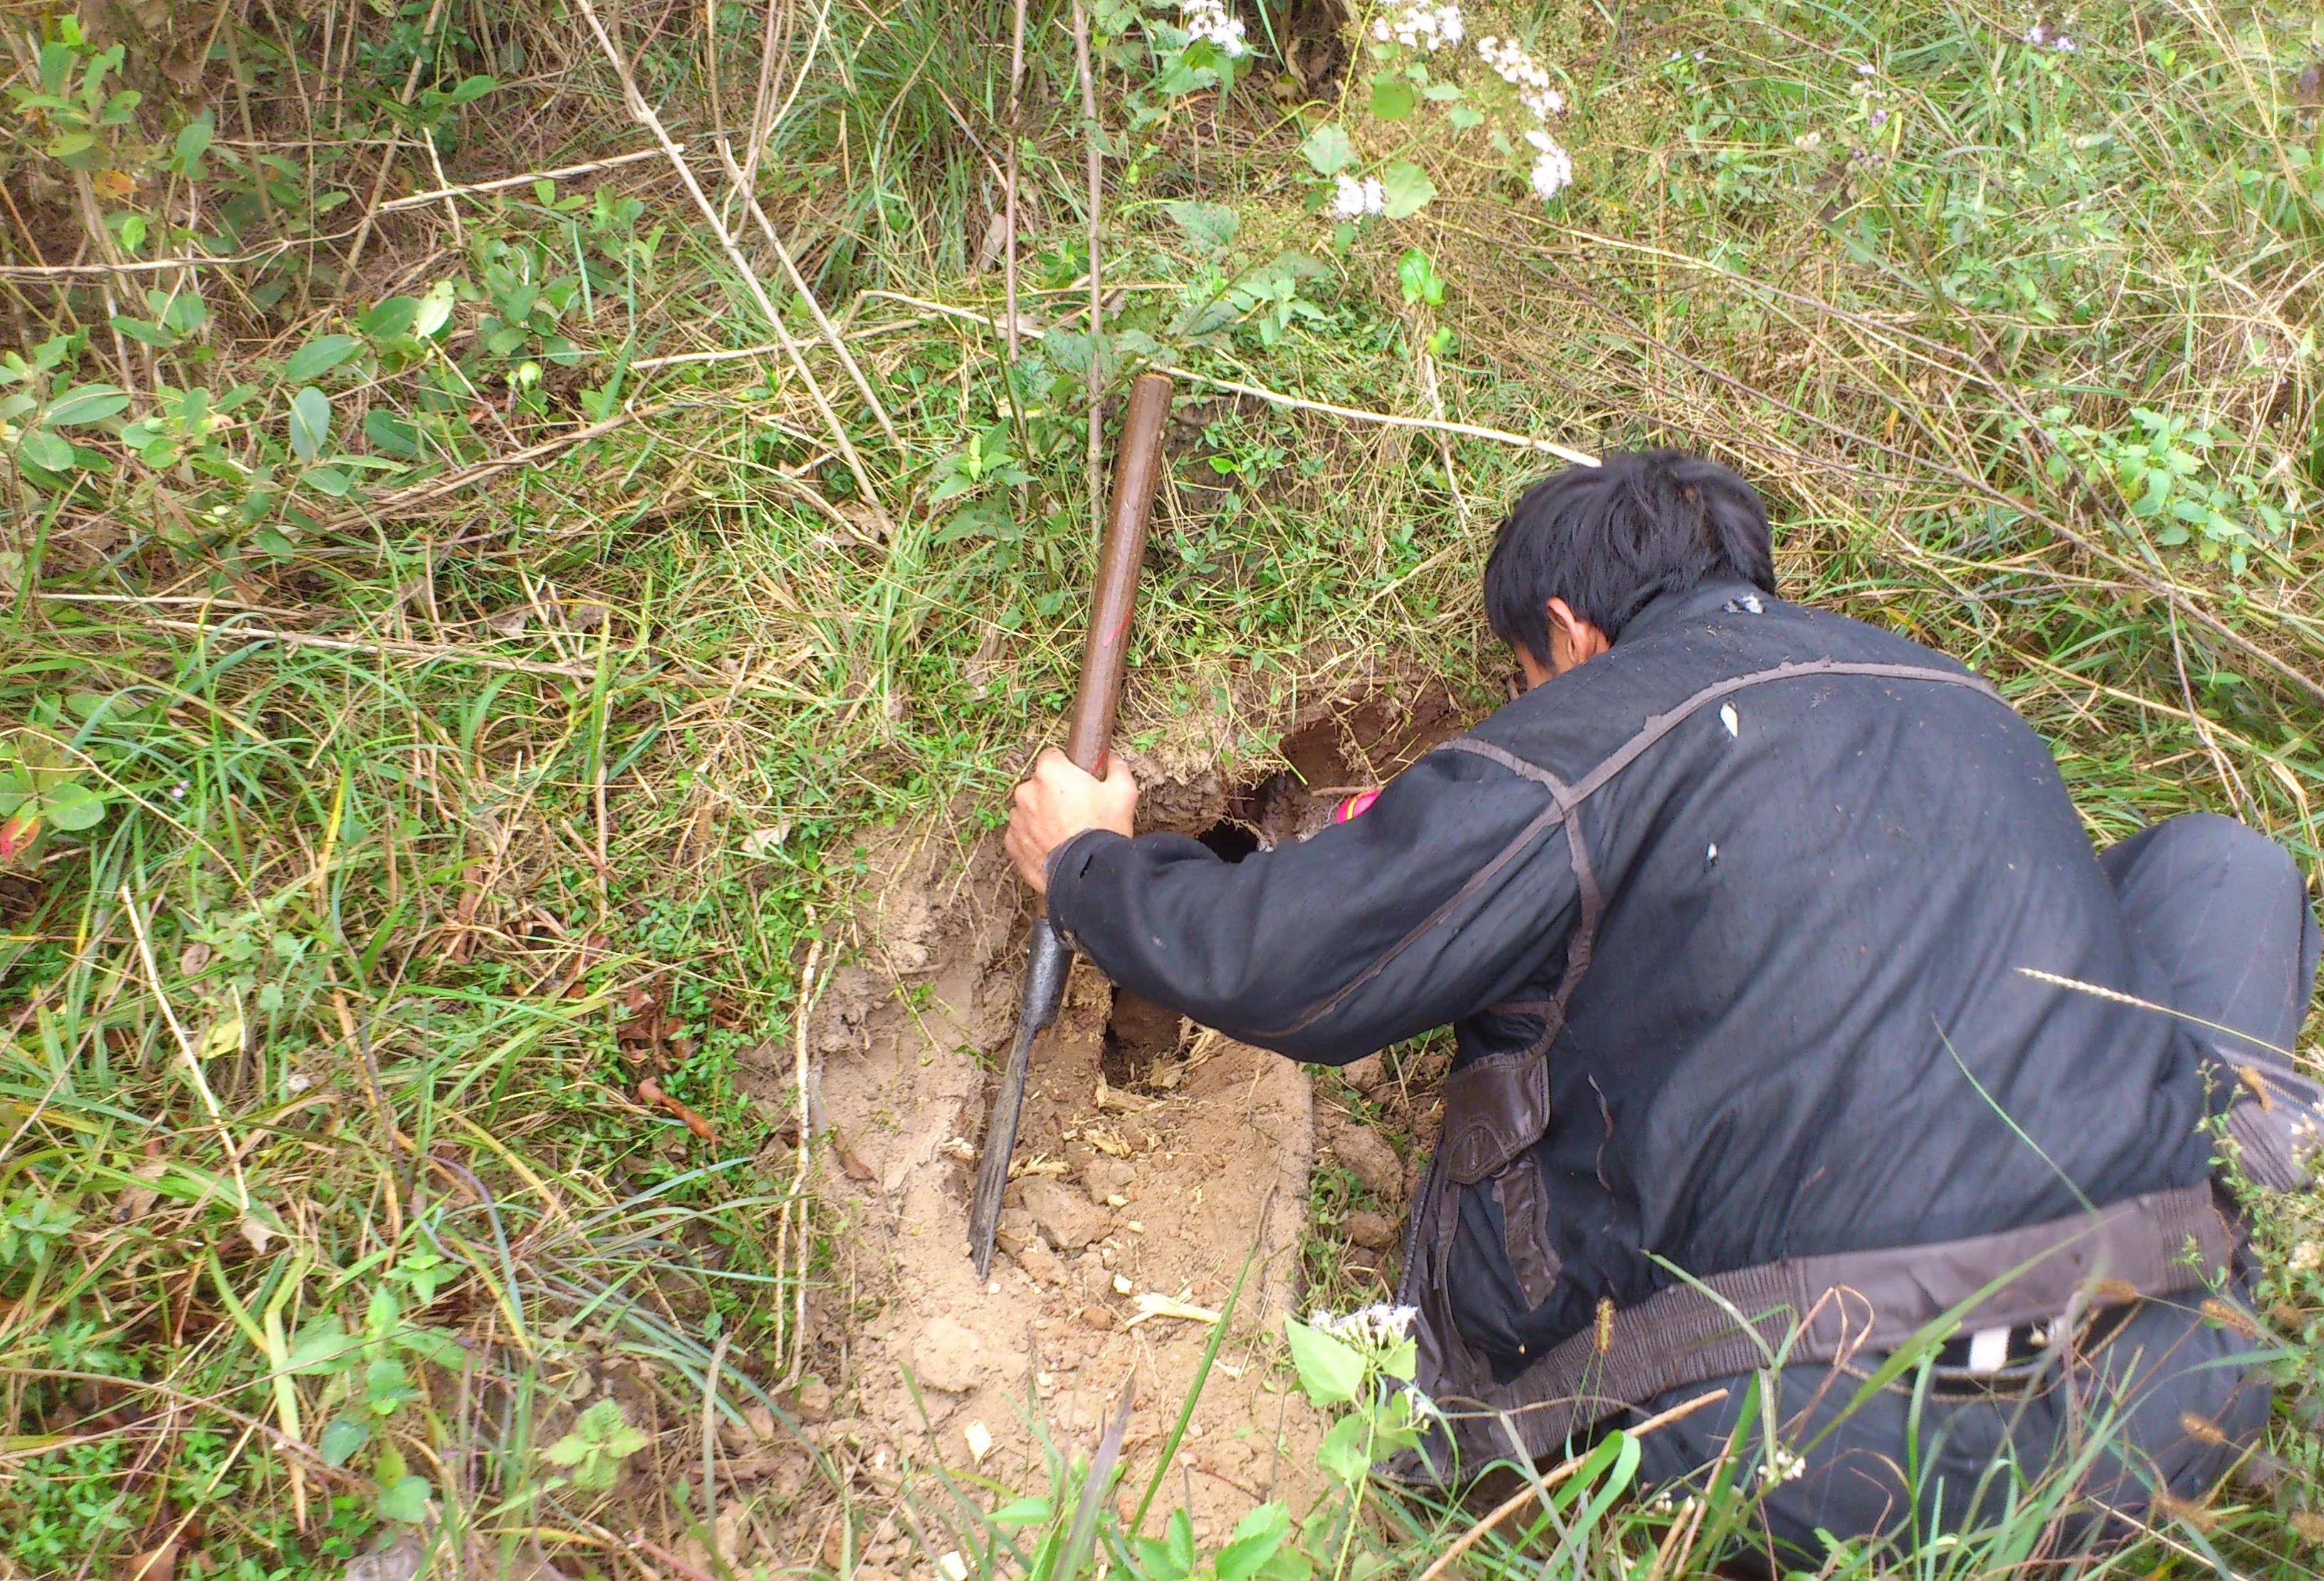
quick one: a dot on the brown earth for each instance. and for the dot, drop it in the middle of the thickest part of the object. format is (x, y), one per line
(1156, 1163)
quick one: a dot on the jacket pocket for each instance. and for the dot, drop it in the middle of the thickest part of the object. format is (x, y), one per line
(1496, 1109)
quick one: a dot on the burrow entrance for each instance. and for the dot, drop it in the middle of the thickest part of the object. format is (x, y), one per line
(1343, 753)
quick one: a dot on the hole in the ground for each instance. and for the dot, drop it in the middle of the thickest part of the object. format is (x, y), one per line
(1144, 1042)
(1231, 837)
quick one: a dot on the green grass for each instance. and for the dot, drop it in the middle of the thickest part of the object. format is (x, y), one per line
(450, 797)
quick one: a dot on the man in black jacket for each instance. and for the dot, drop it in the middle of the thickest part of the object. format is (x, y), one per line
(1798, 1026)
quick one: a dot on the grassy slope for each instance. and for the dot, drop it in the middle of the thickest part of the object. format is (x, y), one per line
(563, 806)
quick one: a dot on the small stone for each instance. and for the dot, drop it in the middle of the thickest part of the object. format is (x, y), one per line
(401, 1560)
(1108, 1180)
(1368, 1075)
(1070, 1222)
(1097, 1316)
(814, 1402)
(1374, 1231)
(1014, 1228)
(1039, 1263)
(1122, 1285)
(948, 1355)
(1373, 1162)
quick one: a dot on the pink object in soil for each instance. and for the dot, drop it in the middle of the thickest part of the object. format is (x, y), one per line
(1354, 806)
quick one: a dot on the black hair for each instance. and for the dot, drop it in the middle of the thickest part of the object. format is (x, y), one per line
(1610, 539)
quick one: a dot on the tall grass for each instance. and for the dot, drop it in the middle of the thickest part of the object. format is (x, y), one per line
(472, 755)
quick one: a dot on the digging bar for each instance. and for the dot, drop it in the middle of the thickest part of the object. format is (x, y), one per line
(1138, 466)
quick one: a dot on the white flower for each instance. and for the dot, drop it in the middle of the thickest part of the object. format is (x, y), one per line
(1866, 68)
(2064, 46)
(2037, 35)
(1782, 1465)
(1353, 199)
(1509, 61)
(1209, 20)
(1552, 172)
(1418, 24)
(1373, 1327)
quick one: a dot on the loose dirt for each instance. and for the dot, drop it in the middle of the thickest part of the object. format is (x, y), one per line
(1157, 1164)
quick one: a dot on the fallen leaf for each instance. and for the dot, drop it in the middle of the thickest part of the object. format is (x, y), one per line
(17, 835)
(853, 1167)
(159, 1564)
(649, 1092)
(1154, 1304)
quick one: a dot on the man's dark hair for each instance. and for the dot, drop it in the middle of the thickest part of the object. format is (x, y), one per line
(1611, 538)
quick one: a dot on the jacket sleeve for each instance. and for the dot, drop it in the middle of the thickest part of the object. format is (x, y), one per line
(1450, 892)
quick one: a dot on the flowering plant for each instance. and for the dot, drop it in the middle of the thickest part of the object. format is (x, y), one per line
(1423, 49)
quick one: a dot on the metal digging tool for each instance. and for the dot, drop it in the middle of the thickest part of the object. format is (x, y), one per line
(1048, 958)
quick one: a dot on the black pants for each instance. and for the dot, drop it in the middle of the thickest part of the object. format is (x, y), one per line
(2163, 1396)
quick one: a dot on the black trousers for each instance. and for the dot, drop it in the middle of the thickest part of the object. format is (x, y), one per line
(2162, 1396)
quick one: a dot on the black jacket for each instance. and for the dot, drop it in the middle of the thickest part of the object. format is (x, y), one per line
(1767, 954)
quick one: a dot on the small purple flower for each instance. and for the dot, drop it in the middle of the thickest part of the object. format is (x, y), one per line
(1876, 118)
(1866, 68)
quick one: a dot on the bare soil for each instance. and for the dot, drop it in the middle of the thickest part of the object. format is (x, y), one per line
(1157, 1164)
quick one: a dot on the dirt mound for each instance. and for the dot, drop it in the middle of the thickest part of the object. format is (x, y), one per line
(1156, 1162)
(1120, 1197)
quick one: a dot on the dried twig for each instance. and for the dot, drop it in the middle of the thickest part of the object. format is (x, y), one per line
(802, 1160)
(1551, 1478)
(372, 210)
(1273, 397)
(1094, 157)
(645, 115)
(502, 183)
(806, 294)
(1009, 177)
(384, 646)
(186, 1046)
(649, 1092)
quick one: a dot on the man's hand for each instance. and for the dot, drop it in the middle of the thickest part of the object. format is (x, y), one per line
(1060, 801)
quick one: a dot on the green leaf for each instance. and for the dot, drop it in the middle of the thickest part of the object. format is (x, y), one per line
(1402, 1362)
(435, 311)
(1341, 1453)
(1209, 226)
(1256, 1537)
(310, 423)
(1393, 98)
(44, 449)
(144, 333)
(1421, 282)
(1179, 1541)
(391, 432)
(86, 403)
(389, 319)
(341, 1436)
(329, 480)
(193, 140)
(1329, 149)
(1407, 187)
(72, 806)
(316, 357)
(1329, 1369)
(1022, 1512)
(320, 1349)
(406, 1501)
(437, 1347)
